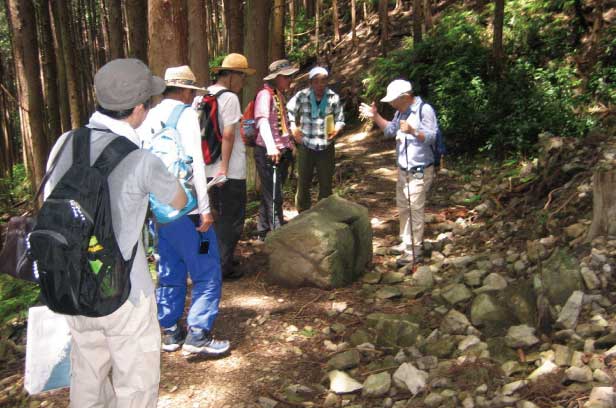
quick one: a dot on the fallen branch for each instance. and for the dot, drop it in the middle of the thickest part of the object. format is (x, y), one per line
(301, 309)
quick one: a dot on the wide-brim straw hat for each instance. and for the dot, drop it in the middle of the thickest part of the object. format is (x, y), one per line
(235, 62)
(280, 67)
(181, 77)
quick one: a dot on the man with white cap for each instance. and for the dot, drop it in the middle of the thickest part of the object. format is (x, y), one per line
(274, 144)
(115, 359)
(414, 127)
(179, 241)
(229, 199)
(316, 117)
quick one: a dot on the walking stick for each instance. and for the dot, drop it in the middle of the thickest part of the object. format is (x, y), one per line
(408, 196)
(274, 167)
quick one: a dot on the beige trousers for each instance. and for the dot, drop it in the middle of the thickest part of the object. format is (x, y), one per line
(115, 359)
(417, 188)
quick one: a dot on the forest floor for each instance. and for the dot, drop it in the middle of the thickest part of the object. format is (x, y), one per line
(277, 334)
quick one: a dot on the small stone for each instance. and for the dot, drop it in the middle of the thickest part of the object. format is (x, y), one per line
(521, 336)
(371, 277)
(410, 378)
(601, 376)
(575, 230)
(342, 383)
(331, 400)
(579, 374)
(513, 387)
(467, 342)
(511, 367)
(591, 280)
(526, 404)
(388, 292)
(601, 397)
(377, 385)
(492, 282)
(423, 277)
(455, 322)
(345, 360)
(456, 293)
(265, 402)
(339, 307)
(562, 355)
(569, 314)
(473, 278)
(433, 400)
(546, 368)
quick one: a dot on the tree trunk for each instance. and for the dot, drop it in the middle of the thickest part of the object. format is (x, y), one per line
(317, 26)
(257, 24)
(384, 24)
(220, 43)
(292, 24)
(604, 204)
(50, 74)
(136, 12)
(6, 142)
(336, 21)
(309, 7)
(61, 22)
(63, 100)
(417, 21)
(428, 14)
(354, 22)
(27, 72)
(213, 27)
(168, 32)
(497, 42)
(116, 29)
(276, 41)
(197, 42)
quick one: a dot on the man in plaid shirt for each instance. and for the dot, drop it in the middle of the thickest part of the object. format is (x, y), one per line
(316, 119)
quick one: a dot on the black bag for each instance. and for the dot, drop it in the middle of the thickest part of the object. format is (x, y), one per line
(211, 136)
(75, 254)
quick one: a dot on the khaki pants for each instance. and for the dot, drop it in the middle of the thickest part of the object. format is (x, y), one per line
(417, 188)
(115, 359)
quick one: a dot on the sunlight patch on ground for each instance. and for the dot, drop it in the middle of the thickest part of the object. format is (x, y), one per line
(290, 214)
(375, 222)
(251, 301)
(195, 397)
(385, 153)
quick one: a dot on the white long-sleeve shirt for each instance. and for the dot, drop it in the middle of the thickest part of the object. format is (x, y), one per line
(188, 128)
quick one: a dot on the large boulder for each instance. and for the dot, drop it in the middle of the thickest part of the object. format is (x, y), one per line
(327, 246)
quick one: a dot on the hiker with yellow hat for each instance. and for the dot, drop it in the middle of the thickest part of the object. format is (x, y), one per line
(228, 198)
(179, 241)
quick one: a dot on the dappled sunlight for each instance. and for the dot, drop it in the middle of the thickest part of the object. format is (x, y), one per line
(252, 301)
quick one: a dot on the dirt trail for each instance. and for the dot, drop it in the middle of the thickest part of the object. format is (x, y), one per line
(278, 334)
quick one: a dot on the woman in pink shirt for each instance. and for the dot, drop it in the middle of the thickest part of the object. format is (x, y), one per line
(274, 144)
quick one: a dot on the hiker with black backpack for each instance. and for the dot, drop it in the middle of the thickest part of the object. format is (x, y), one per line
(87, 247)
(182, 242)
(225, 156)
(273, 150)
(415, 128)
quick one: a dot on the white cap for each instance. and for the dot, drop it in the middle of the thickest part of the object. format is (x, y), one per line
(317, 71)
(397, 88)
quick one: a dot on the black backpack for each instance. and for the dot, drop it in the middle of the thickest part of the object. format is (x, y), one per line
(211, 136)
(73, 247)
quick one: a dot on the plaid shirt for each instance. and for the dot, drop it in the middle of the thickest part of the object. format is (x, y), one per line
(314, 129)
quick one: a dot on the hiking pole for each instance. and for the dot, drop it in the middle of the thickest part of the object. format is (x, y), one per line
(408, 196)
(274, 167)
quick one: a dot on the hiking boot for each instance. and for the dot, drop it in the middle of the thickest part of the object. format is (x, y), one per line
(201, 342)
(408, 258)
(173, 337)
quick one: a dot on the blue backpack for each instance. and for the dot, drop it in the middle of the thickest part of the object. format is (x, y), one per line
(438, 148)
(167, 146)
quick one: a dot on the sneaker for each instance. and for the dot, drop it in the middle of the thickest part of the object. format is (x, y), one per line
(201, 342)
(398, 249)
(173, 337)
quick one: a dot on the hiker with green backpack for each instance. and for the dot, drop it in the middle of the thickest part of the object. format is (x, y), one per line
(187, 243)
(415, 128)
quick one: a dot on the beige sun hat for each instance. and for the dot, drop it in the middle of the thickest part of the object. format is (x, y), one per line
(235, 62)
(280, 67)
(181, 77)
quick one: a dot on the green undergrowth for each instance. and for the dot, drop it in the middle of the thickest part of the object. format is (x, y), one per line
(542, 86)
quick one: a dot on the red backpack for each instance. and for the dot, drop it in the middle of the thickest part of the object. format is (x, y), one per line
(211, 136)
(248, 128)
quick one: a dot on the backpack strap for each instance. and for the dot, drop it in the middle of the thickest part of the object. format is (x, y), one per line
(81, 147)
(113, 154)
(421, 105)
(222, 91)
(174, 117)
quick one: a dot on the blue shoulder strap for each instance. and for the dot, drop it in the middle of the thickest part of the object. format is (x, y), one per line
(174, 117)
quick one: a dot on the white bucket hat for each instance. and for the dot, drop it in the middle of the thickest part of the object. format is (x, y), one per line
(396, 88)
(181, 77)
(317, 71)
